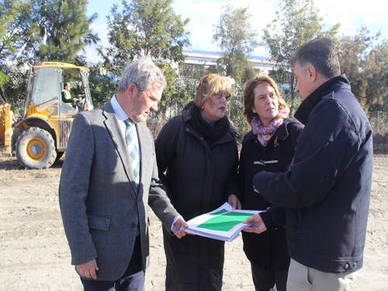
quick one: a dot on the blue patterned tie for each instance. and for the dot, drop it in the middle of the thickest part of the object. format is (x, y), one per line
(133, 149)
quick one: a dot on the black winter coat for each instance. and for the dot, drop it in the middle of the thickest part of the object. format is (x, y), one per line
(327, 188)
(199, 179)
(269, 249)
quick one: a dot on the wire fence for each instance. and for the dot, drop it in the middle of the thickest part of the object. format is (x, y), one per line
(379, 123)
(378, 120)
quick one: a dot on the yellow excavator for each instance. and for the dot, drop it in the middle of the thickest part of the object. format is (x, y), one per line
(40, 137)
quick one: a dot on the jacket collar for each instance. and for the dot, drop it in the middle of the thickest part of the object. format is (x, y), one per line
(333, 84)
(186, 112)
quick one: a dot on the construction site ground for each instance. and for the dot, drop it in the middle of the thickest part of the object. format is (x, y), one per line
(34, 254)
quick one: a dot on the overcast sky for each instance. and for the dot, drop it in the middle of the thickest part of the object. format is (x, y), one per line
(204, 14)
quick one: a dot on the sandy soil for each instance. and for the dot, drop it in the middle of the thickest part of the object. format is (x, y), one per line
(34, 253)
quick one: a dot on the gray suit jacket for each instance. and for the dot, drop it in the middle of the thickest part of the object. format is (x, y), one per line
(101, 210)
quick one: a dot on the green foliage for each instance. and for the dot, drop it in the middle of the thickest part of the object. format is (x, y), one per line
(169, 92)
(144, 27)
(195, 71)
(37, 30)
(376, 72)
(296, 22)
(236, 109)
(58, 30)
(237, 66)
(40, 30)
(102, 85)
(15, 89)
(182, 92)
(237, 39)
(3, 78)
(234, 33)
(13, 18)
(365, 62)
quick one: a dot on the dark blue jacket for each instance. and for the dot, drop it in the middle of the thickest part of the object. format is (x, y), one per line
(327, 189)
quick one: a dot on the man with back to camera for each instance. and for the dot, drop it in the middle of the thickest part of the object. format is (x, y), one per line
(326, 191)
(108, 177)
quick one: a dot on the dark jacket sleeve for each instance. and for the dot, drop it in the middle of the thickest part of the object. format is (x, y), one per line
(241, 172)
(274, 217)
(233, 184)
(165, 148)
(158, 200)
(323, 152)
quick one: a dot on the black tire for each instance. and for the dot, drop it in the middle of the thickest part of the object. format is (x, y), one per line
(35, 148)
(59, 156)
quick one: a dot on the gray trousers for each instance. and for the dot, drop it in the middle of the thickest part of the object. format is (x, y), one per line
(303, 278)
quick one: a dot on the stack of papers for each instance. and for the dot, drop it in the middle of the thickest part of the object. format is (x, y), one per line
(223, 223)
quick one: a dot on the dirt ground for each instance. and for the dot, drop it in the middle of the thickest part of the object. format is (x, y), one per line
(34, 253)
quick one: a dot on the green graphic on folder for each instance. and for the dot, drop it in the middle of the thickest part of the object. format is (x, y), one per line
(223, 223)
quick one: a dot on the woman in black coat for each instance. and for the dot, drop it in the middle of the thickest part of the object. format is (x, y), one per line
(198, 159)
(268, 146)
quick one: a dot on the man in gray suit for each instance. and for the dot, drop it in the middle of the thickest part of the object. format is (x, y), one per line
(108, 177)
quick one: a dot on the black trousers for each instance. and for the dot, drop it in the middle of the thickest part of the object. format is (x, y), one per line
(194, 263)
(132, 280)
(266, 279)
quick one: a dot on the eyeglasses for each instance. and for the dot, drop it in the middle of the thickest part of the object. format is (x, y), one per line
(219, 95)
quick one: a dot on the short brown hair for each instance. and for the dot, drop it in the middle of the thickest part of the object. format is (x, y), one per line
(211, 84)
(249, 96)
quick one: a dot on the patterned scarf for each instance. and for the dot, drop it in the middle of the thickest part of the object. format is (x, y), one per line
(264, 133)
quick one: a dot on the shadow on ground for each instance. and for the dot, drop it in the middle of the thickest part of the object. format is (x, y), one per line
(7, 163)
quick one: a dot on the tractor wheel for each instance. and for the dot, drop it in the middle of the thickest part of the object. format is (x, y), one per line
(35, 148)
